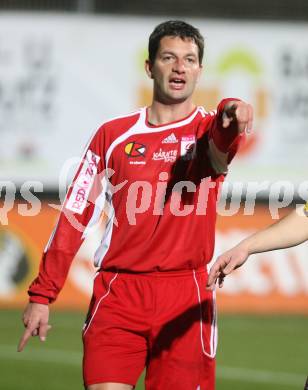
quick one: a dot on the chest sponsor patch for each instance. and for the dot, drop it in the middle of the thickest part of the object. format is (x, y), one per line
(134, 149)
(188, 147)
(77, 201)
(166, 156)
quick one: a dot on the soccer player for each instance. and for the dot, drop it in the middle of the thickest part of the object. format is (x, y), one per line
(155, 173)
(290, 231)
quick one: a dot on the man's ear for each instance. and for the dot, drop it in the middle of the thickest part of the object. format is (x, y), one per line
(200, 73)
(148, 68)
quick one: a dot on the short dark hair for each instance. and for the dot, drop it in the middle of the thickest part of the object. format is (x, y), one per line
(174, 28)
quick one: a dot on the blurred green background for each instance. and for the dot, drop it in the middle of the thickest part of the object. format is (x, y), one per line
(254, 352)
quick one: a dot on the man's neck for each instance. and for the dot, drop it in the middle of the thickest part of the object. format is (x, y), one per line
(159, 113)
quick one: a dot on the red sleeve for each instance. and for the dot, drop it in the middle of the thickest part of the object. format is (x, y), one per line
(77, 212)
(223, 143)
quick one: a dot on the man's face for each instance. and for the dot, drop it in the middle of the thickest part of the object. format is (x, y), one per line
(176, 70)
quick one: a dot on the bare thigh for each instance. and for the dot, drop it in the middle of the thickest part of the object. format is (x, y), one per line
(110, 386)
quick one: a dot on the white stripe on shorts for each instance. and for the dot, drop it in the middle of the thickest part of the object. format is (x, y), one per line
(213, 338)
(99, 302)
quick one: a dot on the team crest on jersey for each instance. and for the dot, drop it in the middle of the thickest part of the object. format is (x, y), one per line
(134, 149)
(188, 147)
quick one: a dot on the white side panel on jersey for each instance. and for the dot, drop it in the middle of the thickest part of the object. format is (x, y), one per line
(98, 209)
(106, 240)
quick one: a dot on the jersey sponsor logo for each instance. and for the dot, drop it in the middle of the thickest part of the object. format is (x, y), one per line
(171, 139)
(134, 149)
(166, 156)
(188, 147)
(78, 199)
(134, 162)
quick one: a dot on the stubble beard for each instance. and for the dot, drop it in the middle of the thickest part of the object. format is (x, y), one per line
(166, 96)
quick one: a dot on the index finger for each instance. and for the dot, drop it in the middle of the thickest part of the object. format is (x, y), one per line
(24, 339)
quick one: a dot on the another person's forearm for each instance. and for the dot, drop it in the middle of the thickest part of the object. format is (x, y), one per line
(289, 231)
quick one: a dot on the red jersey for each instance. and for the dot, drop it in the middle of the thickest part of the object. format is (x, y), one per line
(158, 186)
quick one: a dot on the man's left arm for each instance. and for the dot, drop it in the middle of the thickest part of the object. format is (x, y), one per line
(234, 118)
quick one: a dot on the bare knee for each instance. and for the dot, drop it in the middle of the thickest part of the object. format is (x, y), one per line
(110, 386)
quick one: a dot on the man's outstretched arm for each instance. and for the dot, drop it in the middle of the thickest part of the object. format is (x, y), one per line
(289, 231)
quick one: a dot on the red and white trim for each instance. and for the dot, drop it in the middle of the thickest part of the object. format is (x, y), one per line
(213, 338)
(86, 328)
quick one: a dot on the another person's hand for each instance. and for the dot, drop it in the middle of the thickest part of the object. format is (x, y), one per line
(225, 264)
(238, 112)
(35, 319)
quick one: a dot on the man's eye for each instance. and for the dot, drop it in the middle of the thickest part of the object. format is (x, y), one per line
(167, 58)
(191, 60)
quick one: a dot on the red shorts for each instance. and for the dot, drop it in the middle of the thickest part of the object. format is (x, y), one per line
(164, 322)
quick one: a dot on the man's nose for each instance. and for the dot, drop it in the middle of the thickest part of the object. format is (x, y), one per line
(179, 66)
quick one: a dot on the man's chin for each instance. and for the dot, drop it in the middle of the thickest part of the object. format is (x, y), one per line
(176, 98)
